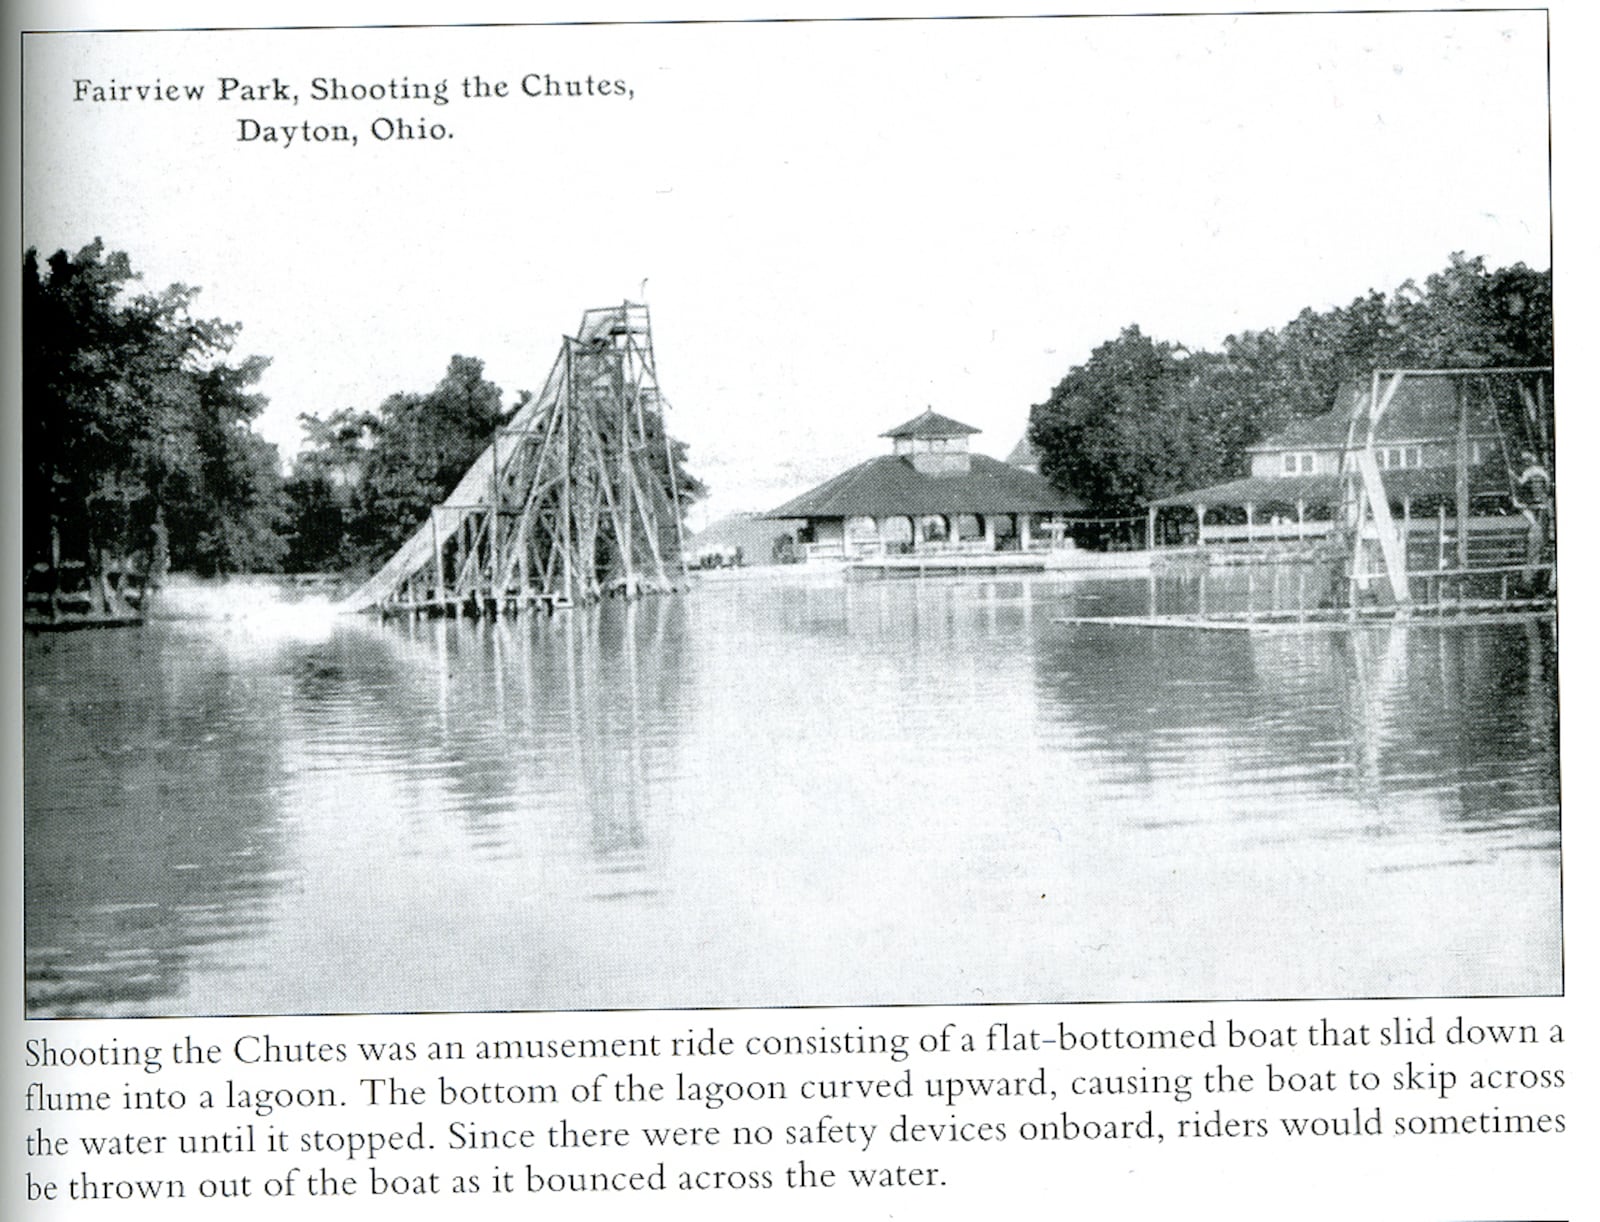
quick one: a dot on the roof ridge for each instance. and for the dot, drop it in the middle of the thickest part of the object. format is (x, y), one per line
(921, 425)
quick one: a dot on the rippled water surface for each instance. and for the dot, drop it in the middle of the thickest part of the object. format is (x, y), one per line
(781, 791)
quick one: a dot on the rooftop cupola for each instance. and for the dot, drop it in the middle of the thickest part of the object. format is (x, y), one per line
(934, 444)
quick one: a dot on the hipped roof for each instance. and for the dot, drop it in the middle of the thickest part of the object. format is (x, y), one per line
(931, 424)
(890, 485)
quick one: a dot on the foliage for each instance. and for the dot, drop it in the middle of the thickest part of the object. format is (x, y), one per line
(367, 480)
(137, 432)
(1142, 419)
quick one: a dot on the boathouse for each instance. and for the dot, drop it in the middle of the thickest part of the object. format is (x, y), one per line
(1437, 439)
(929, 494)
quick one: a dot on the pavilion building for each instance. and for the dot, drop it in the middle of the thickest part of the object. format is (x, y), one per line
(1432, 445)
(930, 494)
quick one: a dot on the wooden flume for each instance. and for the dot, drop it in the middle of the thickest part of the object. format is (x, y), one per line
(576, 497)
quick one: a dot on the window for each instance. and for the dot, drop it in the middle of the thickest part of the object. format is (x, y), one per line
(1413, 456)
(1299, 464)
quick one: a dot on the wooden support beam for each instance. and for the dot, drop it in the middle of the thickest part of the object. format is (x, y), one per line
(1383, 523)
(1463, 484)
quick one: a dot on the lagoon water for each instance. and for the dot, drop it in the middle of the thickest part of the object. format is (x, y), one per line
(779, 791)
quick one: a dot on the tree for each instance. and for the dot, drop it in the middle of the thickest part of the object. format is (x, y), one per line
(1139, 419)
(422, 447)
(367, 480)
(322, 491)
(1142, 419)
(137, 437)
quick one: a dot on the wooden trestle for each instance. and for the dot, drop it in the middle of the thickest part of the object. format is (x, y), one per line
(1378, 545)
(575, 498)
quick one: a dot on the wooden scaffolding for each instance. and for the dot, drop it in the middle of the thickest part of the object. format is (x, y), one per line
(575, 498)
(1380, 553)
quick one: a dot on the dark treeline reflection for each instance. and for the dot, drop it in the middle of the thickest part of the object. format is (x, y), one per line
(1461, 717)
(181, 781)
(153, 790)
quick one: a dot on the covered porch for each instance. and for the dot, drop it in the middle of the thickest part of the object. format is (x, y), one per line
(871, 537)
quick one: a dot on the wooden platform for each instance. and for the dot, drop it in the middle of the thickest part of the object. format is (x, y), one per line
(1438, 616)
(73, 623)
(1059, 560)
(951, 562)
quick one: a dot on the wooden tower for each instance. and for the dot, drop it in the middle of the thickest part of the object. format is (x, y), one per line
(576, 497)
(1461, 568)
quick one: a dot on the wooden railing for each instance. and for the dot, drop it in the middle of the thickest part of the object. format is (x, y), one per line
(1266, 531)
(863, 549)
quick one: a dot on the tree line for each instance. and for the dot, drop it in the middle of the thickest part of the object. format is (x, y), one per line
(1144, 418)
(139, 451)
(136, 426)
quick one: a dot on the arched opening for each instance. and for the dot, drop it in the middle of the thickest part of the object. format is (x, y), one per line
(860, 535)
(1005, 532)
(896, 534)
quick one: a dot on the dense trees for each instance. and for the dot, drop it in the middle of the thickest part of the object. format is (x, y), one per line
(1142, 418)
(366, 480)
(138, 446)
(136, 435)
(139, 453)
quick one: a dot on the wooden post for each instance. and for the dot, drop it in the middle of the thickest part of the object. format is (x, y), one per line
(1200, 529)
(1463, 490)
(55, 570)
(1150, 532)
(565, 525)
(496, 581)
(1405, 535)
(1383, 525)
(438, 561)
(1442, 557)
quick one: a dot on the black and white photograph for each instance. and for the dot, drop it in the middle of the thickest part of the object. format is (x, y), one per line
(724, 514)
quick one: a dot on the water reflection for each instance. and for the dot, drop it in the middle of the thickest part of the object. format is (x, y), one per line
(782, 792)
(153, 785)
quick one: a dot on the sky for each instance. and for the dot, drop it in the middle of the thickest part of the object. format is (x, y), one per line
(835, 224)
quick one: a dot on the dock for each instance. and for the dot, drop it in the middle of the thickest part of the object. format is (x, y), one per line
(1055, 560)
(919, 563)
(1450, 615)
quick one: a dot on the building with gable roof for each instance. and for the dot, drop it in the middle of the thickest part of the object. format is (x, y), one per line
(929, 494)
(1298, 477)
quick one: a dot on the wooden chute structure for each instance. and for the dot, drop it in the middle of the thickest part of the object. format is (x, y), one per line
(1517, 403)
(575, 498)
